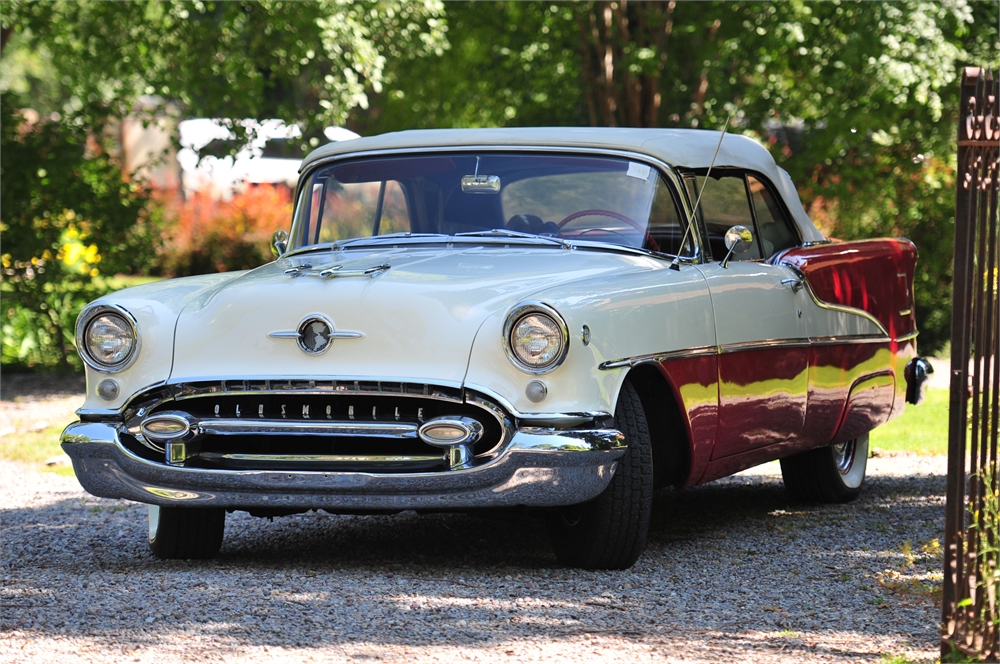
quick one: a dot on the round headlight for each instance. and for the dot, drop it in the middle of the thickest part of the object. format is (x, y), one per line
(108, 339)
(536, 338)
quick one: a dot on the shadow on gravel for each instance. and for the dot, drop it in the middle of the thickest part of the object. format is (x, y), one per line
(730, 565)
(17, 387)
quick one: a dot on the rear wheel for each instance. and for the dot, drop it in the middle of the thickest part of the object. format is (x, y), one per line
(610, 531)
(832, 474)
(186, 532)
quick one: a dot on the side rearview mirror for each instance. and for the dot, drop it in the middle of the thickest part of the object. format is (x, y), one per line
(279, 242)
(738, 239)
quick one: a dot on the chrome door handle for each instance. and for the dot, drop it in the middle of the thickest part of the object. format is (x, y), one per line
(795, 284)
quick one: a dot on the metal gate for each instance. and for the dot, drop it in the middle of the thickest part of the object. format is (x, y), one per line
(970, 609)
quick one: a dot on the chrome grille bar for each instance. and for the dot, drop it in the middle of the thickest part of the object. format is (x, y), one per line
(322, 458)
(230, 427)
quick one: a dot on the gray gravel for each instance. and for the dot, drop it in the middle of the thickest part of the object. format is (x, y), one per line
(733, 572)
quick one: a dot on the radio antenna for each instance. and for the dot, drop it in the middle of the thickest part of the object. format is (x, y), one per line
(676, 263)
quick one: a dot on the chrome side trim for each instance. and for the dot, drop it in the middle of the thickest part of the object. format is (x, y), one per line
(833, 307)
(560, 420)
(859, 339)
(658, 357)
(230, 427)
(906, 337)
(764, 343)
(744, 346)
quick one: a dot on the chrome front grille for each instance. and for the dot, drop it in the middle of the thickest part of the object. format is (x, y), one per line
(310, 424)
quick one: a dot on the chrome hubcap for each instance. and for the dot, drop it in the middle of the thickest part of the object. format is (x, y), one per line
(843, 456)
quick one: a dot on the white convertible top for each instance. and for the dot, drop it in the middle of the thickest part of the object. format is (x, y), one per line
(684, 148)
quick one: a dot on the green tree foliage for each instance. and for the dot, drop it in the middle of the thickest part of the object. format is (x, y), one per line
(304, 62)
(855, 99)
(68, 216)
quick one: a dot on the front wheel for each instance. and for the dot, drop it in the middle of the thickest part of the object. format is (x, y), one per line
(832, 474)
(610, 531)
(186, 532)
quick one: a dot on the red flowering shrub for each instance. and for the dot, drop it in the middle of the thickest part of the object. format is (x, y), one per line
(202, 235)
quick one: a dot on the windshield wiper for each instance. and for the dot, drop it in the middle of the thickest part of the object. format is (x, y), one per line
(377, 239)
(503, 232)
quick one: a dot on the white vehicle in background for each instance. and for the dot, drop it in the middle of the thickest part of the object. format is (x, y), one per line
(208, 163)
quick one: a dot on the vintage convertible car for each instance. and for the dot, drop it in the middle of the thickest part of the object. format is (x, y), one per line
(561, 319)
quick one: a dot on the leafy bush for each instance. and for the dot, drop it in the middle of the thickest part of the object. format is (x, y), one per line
(204, 235)
(68, 215)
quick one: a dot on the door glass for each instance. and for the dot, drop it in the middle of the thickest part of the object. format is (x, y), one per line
(775, 232)
(725, 204)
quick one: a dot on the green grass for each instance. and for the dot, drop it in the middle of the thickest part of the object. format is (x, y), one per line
(920, 429)
(32, 446)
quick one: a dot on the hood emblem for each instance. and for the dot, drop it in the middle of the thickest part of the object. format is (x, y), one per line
(315, 334)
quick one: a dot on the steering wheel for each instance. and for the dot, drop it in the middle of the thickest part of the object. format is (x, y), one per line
(613, 215)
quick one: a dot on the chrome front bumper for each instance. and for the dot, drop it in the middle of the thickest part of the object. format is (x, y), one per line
(538, 467)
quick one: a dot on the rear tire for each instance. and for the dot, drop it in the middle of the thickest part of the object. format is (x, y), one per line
(186, 532)
(610, 531)
(832, 474)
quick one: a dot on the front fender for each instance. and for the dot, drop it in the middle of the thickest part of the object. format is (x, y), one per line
(155, 307)
(630, 315)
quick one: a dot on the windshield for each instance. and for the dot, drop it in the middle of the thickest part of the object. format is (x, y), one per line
(582, 198)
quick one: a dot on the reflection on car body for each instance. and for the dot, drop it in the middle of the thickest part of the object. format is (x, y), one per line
(496, 318)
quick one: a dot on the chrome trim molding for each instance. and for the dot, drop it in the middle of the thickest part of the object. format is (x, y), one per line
(833, 307)
(241, 427)
(560, 420)
(743, 346)
(537, 467)
(764, 344)
(658, 357)
(198, 388)
(858, 339)
(906, 337)
(83, 320)
(322, 458)
(520, 311)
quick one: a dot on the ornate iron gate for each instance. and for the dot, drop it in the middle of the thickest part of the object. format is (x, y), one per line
(970, 608)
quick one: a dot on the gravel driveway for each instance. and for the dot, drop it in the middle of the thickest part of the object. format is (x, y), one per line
(733, 572)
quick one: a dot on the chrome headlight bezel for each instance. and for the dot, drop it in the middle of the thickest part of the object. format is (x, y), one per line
(87, 317)
(515, 316)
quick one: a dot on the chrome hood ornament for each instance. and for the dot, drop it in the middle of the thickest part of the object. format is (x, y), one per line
(335, 270)
(315, 334)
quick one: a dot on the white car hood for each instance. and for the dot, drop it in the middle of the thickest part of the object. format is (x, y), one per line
(419, 318)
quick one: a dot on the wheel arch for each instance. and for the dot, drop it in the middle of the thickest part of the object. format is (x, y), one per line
(668, 432)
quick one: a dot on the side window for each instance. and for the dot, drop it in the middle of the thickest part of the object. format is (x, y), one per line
(665, 225)
(725, 204)
(776, 233)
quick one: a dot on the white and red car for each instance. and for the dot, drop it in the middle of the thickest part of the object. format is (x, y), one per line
(553, 318)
